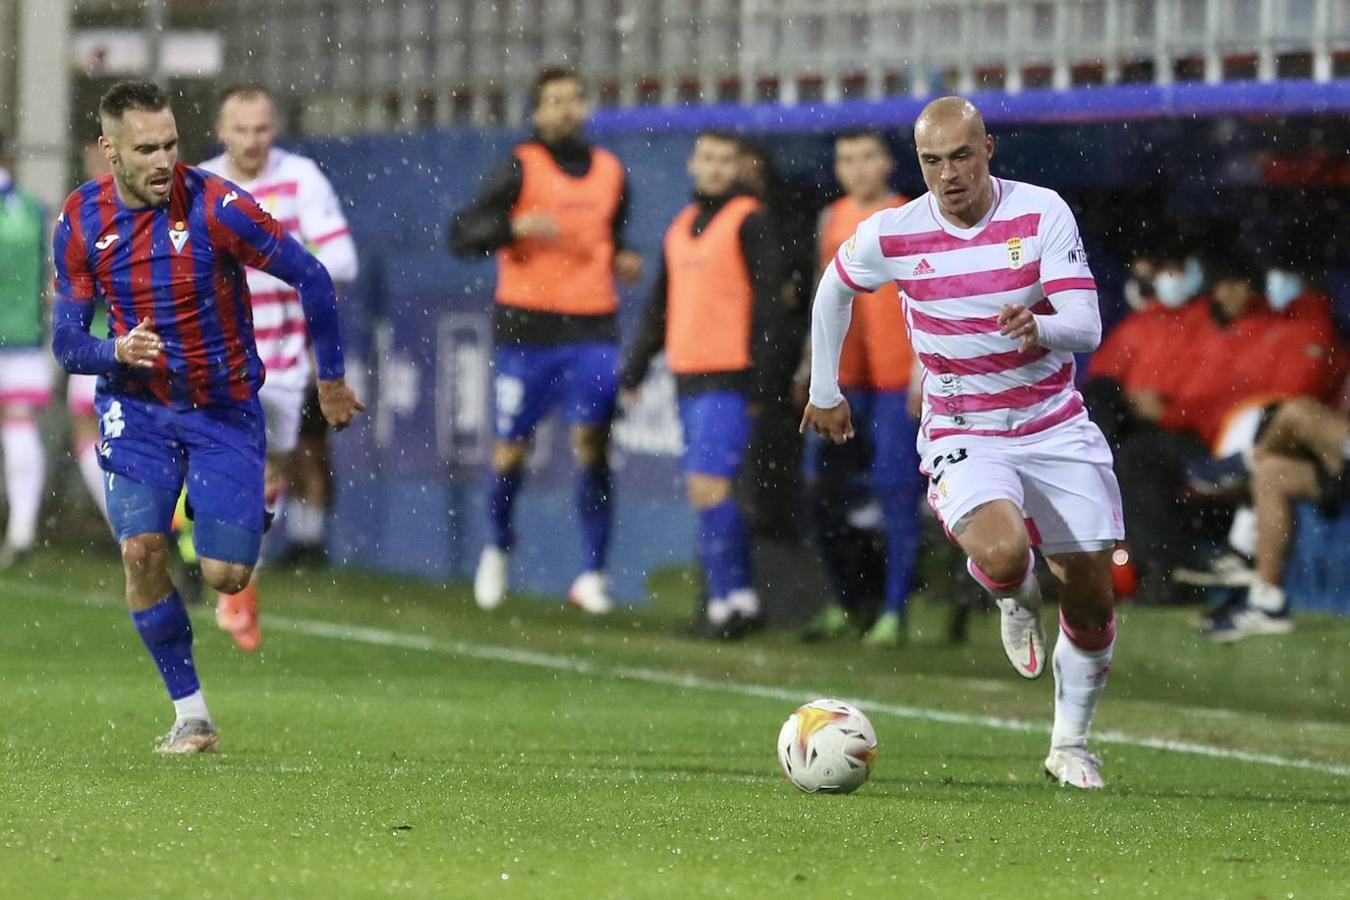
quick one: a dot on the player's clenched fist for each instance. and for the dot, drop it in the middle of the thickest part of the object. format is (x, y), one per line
(835, 423)
(339, 403)
(1019, 323)
(139, 347)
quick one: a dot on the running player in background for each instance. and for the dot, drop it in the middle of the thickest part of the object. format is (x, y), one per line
(712, 313)
(554, 215)
(293, 190)
(25, 370)
(874, 373)
(80, 389)
(164, 246)
(998, 297)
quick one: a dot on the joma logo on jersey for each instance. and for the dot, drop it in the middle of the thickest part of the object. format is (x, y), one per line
(106, 241)
(1015, 258)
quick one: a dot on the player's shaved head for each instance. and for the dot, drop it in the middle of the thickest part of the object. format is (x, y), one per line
(954, 150)
(949, 111)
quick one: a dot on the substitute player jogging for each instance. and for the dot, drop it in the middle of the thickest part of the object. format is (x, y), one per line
(165, 247)
(294, 192)
(554, 216)
(998, 297)
(711, 314)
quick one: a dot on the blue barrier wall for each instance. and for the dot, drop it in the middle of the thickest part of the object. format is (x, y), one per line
(418, 320)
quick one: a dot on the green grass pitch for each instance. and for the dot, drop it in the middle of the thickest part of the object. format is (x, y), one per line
(392, 741)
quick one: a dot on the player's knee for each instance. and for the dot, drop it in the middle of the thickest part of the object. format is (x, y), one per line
(707, 491)
(1004, 558)
(589, 446)
(144, 555)
(228, 578)
(508, 456)
(1088, 599)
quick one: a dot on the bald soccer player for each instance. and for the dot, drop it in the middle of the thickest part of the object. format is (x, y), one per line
(998, 297)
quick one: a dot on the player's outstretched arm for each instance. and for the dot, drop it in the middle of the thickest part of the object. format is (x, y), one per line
(827, 413)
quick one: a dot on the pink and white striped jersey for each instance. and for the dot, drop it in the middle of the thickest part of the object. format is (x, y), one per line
(954, 282)
(299, 196)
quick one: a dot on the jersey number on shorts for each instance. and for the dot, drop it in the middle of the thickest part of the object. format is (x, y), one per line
(940, 462)
(510, 393)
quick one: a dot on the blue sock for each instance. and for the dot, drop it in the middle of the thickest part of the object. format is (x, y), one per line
(900, 509)
(726, 549)
(594, 489)
(501, 500)
(167, 632)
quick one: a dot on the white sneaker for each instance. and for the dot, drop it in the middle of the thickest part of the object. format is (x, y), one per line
(489, 584)
(1247, 621)
(1074, 767)
(589, 594)
(1023, 637)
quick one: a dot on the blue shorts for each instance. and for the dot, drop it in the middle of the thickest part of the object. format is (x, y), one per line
(716, 433)
(148, 452)
(885, 446)
(530, 381)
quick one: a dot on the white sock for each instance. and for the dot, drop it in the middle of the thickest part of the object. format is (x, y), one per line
(744, 601)
(1027, 594)
(93, 476)
(1242, 533)
(1269, 598)
(193, 706)
(719, 611)
(1080, 678)
(305, 523)
(25, 471)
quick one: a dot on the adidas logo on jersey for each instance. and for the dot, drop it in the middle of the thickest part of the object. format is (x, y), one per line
(923, 268)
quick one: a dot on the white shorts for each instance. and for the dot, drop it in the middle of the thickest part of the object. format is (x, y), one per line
(1062, 480)
(282, 408)
(80, 394)
(26, 377)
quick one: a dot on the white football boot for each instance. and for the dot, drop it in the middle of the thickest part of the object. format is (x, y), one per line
(1074, 767)
(589, 593)
(489, 584)
(1023, 637)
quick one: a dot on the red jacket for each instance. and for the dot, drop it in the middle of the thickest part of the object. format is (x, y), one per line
(1145, 351)
(1260, 357)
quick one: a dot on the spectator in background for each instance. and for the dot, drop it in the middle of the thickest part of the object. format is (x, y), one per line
(1130, 378)
(1300, 455)
(875, 373)
(712, 311)
(26, 374)
(554, 214)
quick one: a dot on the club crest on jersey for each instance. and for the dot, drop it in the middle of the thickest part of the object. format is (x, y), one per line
(851, 248)
(178, 236)
(1015, 258)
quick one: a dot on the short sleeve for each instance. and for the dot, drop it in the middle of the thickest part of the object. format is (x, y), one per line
(858, 261)
(73, 281)
(1064, 262)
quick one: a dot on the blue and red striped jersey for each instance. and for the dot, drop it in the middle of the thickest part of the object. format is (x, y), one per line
(182, 267)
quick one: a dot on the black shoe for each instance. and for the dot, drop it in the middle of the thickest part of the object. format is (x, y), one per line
(1219, 477)
(735, 628)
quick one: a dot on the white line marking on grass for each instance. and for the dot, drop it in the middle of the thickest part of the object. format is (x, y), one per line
(381, 637)
(384, 638)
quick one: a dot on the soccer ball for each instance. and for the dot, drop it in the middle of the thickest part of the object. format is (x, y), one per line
(827, 746)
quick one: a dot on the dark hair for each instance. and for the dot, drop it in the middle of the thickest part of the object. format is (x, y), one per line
(246, 89)
(864, 134)
(548, 75)
(726, 135)
(125, 95)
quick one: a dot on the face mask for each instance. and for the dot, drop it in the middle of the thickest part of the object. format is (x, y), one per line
(1282, 289)
(1137, 293)
(1172, 289)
